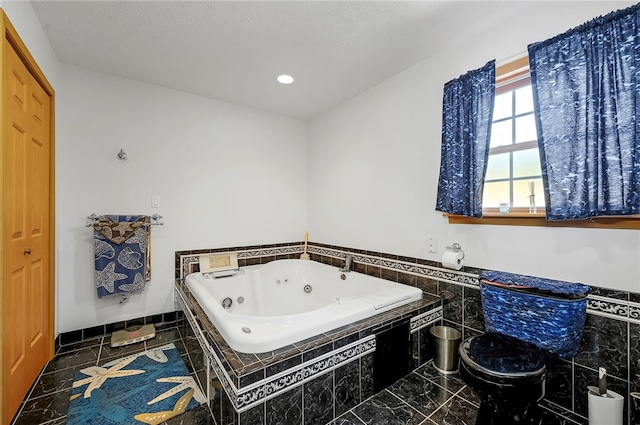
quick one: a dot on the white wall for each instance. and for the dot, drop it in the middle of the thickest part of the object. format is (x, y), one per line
(374, 163)
(229, 175)
(226, 175)
(24, 20)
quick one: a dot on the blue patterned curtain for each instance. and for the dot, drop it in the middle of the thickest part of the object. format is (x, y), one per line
(585, 88)
(467, 108)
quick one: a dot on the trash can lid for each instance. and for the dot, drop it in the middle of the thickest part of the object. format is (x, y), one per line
(503, 356)
(445, 332)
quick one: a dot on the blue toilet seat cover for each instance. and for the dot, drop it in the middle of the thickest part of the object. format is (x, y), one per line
(503, 355)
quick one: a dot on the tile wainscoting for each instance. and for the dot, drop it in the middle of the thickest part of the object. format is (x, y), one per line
(611, 337)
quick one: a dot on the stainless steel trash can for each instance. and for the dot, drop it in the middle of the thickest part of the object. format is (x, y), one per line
(447, 341)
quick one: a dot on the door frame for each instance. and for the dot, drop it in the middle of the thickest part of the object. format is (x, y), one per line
(11, 35)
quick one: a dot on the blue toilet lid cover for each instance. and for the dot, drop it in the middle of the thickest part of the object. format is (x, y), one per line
(536, 285)
(504, 355)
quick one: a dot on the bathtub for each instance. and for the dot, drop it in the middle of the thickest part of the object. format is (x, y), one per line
(269, 306)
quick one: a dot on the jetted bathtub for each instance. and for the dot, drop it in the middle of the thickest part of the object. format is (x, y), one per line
(265, 307)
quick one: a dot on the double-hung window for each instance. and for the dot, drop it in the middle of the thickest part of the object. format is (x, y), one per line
(513, 180)
(513, 169)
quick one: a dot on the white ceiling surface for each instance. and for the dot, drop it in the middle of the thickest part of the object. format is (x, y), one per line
(234, 50)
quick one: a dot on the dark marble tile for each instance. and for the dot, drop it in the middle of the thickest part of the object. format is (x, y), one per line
(285, 408)
(584, 377)
(469, 395)
(227, 413)
(415, 350)
(556, 415)
(604, 344)
(385, 408)
(634, 356)
(251, 378)
(52, 382)
(112, 327)
(427, 285)
(182, 349)
(200, 415)
(473, 316)
(96, 342)
(456, 412)
(451, 302)
(347, 419)
(468, 333)
(59, 421)
(634, 407)
(94, 332)
(559, 383)
(164, 337)
(323, 347)
(407, 279)
(422, 394)
(71, 337)
(373, 270)
(253, 416)
(610, 293)
(388, 274)
(366, 376)
(109, 353)
(187, 362)
(318, 400)
(195, 354)
(283, 365)
(427, 344)
(44, 409)
(451, 382)
(76, 359)
(347, 388)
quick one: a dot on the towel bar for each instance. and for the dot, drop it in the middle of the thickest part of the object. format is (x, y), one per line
(155, 220)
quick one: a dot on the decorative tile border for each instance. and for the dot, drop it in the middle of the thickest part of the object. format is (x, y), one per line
(436, 273)
(425, 319)
(187, 261)
(214, 361)
(597, 304)
(268, 388)
(614, 308)
(265, 389)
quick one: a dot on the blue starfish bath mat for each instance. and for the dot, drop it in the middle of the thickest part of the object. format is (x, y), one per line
(144, 388)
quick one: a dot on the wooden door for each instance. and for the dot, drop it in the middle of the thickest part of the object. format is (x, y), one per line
(26, 319)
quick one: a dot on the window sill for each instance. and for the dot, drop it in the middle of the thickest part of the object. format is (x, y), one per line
(525, 219)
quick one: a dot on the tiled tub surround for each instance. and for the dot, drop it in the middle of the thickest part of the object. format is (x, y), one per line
(316, 380)
(611, 337)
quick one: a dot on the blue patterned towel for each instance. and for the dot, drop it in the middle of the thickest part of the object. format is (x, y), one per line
(121, 253)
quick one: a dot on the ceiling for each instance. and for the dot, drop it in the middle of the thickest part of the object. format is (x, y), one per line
(234, 50)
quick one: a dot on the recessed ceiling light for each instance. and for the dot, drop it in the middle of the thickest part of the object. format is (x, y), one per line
(285, 79)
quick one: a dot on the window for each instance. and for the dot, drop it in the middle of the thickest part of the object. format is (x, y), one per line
(513, 169)
(514, 161)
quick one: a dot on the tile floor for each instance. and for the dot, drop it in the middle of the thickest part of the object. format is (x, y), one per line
(423, 397)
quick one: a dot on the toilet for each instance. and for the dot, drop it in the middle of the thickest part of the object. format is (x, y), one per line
(528, 319)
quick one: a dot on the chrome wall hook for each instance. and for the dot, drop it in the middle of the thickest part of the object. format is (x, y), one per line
(122, 155)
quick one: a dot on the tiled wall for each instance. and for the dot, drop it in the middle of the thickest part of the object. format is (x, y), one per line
(611, 339)
(160, 321)
(611, 336)
(320, 380)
